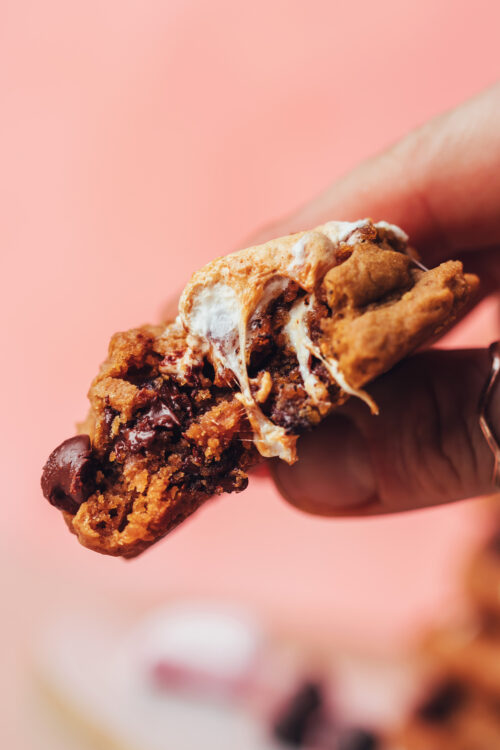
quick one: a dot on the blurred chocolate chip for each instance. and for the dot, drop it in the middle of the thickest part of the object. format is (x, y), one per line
(446, 699)
(357, 739)
(296, 721)
(68, 477)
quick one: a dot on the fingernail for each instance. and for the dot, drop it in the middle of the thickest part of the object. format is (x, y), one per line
(334, 472)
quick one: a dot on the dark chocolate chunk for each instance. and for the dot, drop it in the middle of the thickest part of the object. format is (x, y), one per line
(68, 477)
(357, 739)
(179, 402)
(135, 438)
(162, 415)
(168, 411)
(295, 723)
(138, 375)
(446, 699)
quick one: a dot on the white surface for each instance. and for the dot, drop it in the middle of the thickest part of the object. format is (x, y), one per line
(94, 666)
(94, 670)
(223, 643)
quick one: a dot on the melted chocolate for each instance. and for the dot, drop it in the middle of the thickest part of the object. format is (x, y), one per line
(168, 412)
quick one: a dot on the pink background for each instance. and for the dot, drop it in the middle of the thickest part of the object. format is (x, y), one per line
(139, 140)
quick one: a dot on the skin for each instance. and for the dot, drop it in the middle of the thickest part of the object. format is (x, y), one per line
(442, 185)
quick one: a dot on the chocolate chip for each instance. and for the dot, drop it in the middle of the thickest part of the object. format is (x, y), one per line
(138, 375)
(162, 415)
(446, 699)
(171, 395)
(357, 739)
(68, 476)
(167, 412)
(298, 717)
(135, 438)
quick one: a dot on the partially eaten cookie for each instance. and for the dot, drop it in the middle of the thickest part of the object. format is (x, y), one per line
(267, 342)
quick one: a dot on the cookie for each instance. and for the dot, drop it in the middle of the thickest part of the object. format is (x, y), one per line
(451, 717)
(483, 582)
(267, 342)
(470, 654)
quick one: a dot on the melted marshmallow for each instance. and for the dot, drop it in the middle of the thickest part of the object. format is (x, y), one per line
(297, 333)
(215, 314)
(221, 300)
(298, 252)
(393, 229)
(218, 319)
(300, 340)
(344, 231)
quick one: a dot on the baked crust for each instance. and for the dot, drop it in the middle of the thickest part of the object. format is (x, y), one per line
(267, 342)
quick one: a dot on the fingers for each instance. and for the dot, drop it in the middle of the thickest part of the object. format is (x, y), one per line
(425, 448)
(441, 184)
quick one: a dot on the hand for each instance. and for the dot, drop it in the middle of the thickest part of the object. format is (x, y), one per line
(441, 184)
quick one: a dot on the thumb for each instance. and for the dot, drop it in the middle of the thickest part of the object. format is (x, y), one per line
(425, 448)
